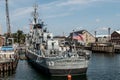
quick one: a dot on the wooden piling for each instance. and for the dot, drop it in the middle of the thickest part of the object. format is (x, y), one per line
(103, 47)
(8, 66)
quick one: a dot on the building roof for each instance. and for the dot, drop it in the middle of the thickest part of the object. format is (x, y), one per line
(101, 35)
(81, 32)
(118, 32)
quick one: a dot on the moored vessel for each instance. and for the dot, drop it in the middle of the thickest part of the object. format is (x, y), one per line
(51, 56)
(8, 56)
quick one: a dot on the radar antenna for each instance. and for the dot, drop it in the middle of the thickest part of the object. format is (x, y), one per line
(35, 13)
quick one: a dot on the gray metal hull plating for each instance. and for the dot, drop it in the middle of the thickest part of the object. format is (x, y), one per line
(58, 67)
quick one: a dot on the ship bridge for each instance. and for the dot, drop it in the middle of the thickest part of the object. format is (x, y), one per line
(38, 26)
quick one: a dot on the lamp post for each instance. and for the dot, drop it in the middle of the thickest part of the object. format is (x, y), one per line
(109, 34)
(95, 35)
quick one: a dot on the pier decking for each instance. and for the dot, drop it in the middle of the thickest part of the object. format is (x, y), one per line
(105, 47)
(117, 48)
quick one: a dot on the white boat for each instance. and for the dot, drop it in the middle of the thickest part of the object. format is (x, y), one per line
(8, 55)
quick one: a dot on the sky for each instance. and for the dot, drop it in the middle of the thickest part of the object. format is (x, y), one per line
(63, 16)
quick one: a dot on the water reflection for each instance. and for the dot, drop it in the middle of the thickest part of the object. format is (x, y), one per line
(46, 77)
(79, 77)
(6, 74)
(12, 75)
(101, 67)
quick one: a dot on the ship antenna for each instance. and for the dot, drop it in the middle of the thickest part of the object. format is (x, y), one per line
(35, 13)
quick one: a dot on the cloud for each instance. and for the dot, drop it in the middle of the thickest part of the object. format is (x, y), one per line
(48, 9)
(97, 20)
(59, 15)
(80, 2)
(79, 28)
(22, 11)
(52, 7)
(63, 3)
(71, 2)
(49, 5)
(103, 28)
(55, 5)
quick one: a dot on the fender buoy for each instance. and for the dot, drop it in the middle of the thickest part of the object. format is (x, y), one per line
(69, 77)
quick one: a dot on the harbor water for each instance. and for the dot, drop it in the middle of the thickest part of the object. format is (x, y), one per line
(102, 66)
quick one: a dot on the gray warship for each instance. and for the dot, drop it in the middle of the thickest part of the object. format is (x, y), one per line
(52, 57)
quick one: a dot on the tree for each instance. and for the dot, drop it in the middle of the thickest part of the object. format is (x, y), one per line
(19, 37)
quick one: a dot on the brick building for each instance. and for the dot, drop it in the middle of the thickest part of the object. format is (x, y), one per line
(87, 36)
(115, 37)
(1, 40)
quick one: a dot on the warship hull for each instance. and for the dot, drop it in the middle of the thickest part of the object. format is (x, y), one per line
(59, 69)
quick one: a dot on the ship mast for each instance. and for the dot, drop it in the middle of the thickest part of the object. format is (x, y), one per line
(7, 19)
(35, 13)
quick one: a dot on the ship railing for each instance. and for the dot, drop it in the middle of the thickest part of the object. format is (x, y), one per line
(77, 54)
(52, 53)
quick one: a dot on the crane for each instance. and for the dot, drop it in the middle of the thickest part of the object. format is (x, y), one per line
(8, 35)
(7, 19)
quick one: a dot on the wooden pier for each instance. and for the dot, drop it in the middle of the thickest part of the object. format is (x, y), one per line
(117, 48)
(8, 62)
(105, 47)
(8, 65)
